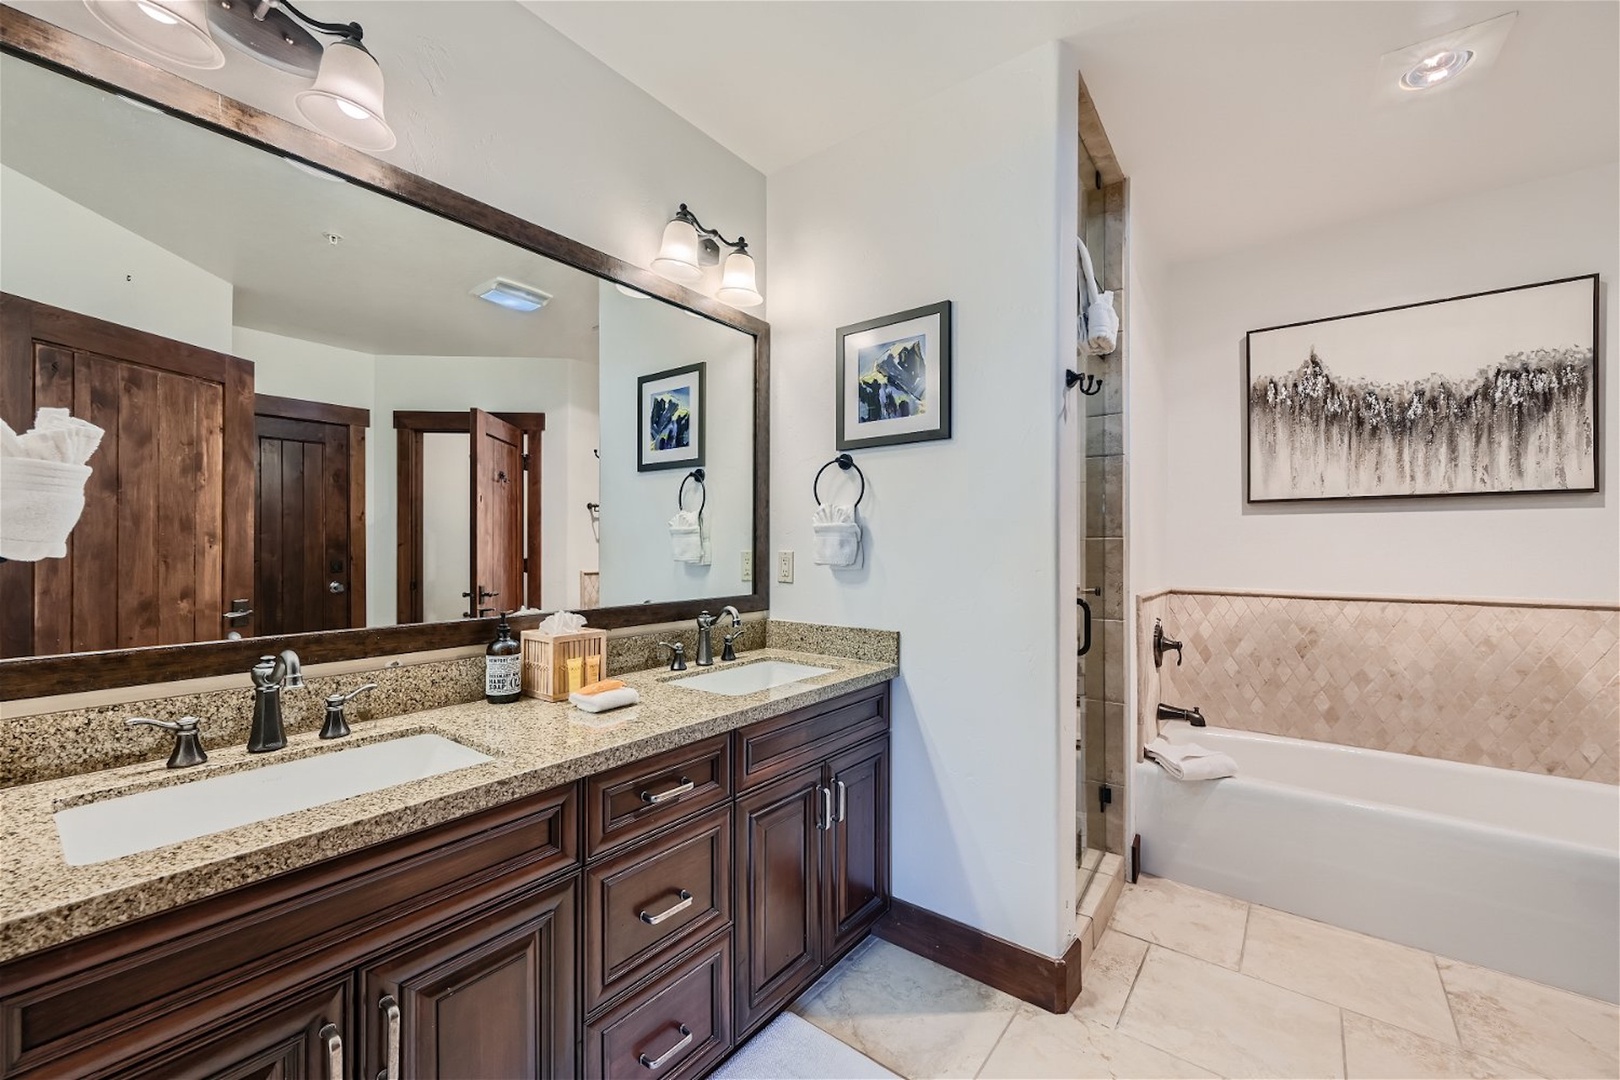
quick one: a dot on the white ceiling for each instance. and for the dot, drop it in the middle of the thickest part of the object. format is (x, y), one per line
(1236, 122)
(398, 284)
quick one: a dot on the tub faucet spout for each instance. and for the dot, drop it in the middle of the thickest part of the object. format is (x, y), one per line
(1176, 712)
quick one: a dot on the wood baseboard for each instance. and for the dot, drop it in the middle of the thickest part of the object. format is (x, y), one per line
(1013, 969)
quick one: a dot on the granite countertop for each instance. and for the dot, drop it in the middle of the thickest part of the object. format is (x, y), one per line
(534, 744)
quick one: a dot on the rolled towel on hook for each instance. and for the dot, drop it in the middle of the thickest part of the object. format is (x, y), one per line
(1099, 322)
(1189, 761)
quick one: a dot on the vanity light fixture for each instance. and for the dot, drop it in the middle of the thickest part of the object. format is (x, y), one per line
(689, 246)
(512, 295)
(345, 97)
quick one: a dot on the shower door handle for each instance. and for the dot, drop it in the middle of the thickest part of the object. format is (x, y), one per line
(1085, 626)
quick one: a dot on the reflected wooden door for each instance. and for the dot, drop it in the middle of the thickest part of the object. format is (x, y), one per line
(309, 551)
(497, 514)
(165, 542)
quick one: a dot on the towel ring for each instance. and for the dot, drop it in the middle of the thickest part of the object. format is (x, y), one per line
(680, 499)
(845, 462)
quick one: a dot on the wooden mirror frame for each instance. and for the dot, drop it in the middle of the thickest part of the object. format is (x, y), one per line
(50, 46)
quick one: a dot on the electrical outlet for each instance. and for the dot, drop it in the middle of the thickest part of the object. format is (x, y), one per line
(784, 567)
(748, 566)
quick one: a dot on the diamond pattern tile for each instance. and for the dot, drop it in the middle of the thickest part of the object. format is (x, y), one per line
(1513, 686)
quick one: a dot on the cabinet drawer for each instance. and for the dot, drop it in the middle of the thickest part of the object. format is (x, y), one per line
(653, 898)
(777, 747)
(627, 804)
(676, 1026)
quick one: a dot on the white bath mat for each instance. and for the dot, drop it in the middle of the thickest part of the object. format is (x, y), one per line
(789, 1048)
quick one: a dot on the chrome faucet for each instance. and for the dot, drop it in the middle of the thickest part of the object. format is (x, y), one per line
(728, 653)
(272, 675)
(705, 655)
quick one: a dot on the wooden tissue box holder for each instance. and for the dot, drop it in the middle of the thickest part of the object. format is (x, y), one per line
(546, 656)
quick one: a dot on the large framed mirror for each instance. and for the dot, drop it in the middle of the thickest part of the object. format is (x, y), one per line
(347, 411)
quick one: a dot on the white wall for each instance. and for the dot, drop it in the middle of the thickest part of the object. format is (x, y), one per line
(969, 197)
(293, 367)
(640, 337)
(57, 252)
(1505, 546)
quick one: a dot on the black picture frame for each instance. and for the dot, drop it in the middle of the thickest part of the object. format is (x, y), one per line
(940, 358)
(699, 412)
(1595, 397)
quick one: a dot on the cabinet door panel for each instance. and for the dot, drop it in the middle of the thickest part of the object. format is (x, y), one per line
(778, 941)
(857, 888)
(291, 1040)
(494, 996)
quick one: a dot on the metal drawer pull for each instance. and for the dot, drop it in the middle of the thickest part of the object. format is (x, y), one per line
(680, 906)
(334, 1051)
(843, 799)
(824, 823)
(664, 796)
(390, 1009)
(659, 1061)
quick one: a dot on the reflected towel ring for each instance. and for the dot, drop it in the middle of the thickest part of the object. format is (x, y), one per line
(845, 462)
(680, 499)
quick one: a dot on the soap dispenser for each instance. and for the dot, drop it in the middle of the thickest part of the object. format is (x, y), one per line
(503, 666)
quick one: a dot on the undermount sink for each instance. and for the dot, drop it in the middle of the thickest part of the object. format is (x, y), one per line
(750, 678)
(112, 828)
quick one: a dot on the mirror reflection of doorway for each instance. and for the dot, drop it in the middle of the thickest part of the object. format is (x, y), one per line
(310, 551)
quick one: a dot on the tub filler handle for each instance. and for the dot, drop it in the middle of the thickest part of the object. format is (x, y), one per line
(1163, 644)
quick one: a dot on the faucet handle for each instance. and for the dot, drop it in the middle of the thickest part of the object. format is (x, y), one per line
(343, 699)
(187, 743)
(677, 654)
(705, 620)
(337, 725)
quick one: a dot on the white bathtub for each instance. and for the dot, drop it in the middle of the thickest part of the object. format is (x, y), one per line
(1508, 870)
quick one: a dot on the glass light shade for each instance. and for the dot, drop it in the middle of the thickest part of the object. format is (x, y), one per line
(678, 255)
(737, 285)
(346, 99)
(172, 30)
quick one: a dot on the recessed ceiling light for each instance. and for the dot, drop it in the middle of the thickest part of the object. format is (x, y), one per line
(1436, 69)
(513, 295)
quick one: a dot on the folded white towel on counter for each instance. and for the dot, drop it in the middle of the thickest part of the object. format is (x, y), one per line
(606, 701)
(838, 535)
(1189, 761)
(686, 536)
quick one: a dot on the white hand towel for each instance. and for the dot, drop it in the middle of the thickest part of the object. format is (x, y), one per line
(1099, 328)
(686, 536)
(1189, 761)
(40, 502)
(606, 700)
(838, 535)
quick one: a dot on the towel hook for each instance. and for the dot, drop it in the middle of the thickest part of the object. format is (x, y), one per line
(846, 463)
(680, 499)
(1090, 385)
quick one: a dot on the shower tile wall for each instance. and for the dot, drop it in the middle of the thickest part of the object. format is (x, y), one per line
(1102, 671)
(1516, 686)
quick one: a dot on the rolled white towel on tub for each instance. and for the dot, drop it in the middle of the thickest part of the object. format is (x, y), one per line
(1189, 761)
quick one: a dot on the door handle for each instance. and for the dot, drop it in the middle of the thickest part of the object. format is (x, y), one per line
(334, 587)
(843, 799)
(679, 906)
(664, 796)
(1085, 626)
(390, 1009)
(334, 1051)
(659, 1061)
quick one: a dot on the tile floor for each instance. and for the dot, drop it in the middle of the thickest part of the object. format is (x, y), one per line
(1189, 983)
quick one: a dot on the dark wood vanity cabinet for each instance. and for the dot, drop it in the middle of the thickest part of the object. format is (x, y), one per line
(644, 936)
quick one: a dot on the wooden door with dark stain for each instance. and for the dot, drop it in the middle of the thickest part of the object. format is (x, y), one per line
(857, 880)
(309, 565)
(497, 514)
(492, 997)
(165, 542)
(778, 922)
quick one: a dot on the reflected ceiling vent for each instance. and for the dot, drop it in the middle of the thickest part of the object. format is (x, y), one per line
(512, 295)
